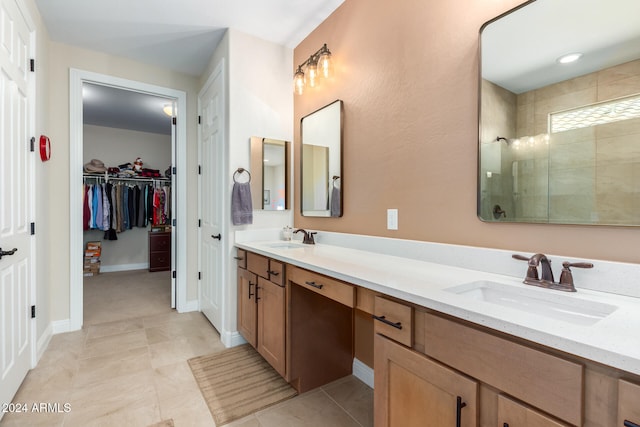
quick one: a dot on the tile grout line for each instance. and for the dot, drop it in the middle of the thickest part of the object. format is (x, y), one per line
(341, 407)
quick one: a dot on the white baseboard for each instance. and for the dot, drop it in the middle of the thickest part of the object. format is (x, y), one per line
(123, 267)
(61, 326)
(43, 343)
(232, 339)
(193, 305)
(363, 372)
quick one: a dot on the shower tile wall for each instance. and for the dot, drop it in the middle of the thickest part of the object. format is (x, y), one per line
(590, 170)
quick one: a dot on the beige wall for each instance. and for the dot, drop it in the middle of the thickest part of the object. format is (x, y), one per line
(408, 75)
(61, 59)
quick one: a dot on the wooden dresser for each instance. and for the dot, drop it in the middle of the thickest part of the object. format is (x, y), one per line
(159, 251)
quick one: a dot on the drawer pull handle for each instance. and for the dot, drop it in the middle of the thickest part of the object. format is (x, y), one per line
(314, 284)
(628, 423)
(275, 273)
(459, 405)
(217, 236)
(239, 258)
(383, 319)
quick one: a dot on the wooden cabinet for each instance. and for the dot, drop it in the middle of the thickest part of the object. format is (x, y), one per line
(414, 390)
(159, 251)
(261, 307)
(545, 381)
(247, 307)
(514, 414)
(271, 324)
(628, 404)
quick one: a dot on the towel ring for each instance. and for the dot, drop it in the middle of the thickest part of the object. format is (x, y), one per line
(239, 171)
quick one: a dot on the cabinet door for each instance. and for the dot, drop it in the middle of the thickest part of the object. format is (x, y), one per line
(628, 404)
(513, 414)
(271, 324)
(247, 307)
(413, 390)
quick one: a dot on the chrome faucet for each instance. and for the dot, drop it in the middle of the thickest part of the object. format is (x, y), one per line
(308, 236)
(546, 281)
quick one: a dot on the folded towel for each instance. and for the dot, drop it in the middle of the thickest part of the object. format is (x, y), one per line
(335, 202)
(241, 207)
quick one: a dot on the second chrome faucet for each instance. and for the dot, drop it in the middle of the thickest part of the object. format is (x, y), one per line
(545, 279)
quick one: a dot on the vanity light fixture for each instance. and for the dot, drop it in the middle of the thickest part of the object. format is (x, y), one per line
(319, 65)
(569, 58)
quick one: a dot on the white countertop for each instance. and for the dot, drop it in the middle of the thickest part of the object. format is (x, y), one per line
(613, 341)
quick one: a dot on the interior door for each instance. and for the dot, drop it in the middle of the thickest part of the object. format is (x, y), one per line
(211, 193)
(174, 108)
(15, 209)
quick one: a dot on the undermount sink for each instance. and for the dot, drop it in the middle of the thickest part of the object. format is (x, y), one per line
(284, 245)
(547, 303)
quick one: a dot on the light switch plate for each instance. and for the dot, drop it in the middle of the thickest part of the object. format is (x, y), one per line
(392, 219)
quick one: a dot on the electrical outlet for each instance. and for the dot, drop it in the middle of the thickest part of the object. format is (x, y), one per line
(392, 219)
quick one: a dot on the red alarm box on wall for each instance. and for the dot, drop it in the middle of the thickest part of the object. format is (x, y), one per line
(45, 148)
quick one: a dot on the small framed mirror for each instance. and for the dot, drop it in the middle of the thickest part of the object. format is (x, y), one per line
(559, 134)
(271, 172)
(321, 162)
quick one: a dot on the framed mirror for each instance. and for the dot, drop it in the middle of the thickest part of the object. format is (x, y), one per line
(321, 162)
(559, 120)
(270, 166)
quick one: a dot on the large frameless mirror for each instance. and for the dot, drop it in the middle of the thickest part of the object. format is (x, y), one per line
(321, 162)
(559, 131)
(271, 170)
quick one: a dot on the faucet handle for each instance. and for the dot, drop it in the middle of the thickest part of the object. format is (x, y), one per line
(532, 271)
(566, 278)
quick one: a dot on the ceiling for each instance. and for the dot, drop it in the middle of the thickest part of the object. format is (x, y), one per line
(519, 51)
(176, 35)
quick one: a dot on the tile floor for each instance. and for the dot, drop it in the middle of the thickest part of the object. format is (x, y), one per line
(128, 367)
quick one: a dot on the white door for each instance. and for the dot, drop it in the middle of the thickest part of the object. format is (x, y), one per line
(210, 198)
(15, 209)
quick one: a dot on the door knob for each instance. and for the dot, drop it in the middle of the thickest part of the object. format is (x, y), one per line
(217, 236)
(5, 253)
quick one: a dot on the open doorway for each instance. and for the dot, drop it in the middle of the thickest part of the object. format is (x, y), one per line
(127, 204)
(99, 143)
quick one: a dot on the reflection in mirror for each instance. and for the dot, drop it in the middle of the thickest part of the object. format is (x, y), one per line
(321, 160)
(560, 142)
(270, 166)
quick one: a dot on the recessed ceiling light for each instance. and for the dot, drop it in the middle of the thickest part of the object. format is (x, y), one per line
(569, 58)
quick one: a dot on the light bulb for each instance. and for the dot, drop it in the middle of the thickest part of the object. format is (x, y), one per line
(325, 63)
(298, 82)
(312, 70)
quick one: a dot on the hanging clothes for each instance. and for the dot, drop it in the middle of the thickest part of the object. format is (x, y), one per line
(86, 212)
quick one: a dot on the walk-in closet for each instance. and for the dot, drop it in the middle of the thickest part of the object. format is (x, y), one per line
(127, 200)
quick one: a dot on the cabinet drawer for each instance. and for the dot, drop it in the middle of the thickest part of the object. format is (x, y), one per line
(241, 258)
(159, 261)
(513, 414)
(341, 292)
(550, 383)
(276, 272)
(258, 264)
(159, 242)
(628, 404)
(393, 320)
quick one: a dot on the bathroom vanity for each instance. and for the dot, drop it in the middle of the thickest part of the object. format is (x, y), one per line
(447, 350)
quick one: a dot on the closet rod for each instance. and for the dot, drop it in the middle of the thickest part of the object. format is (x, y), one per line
(106, 178)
